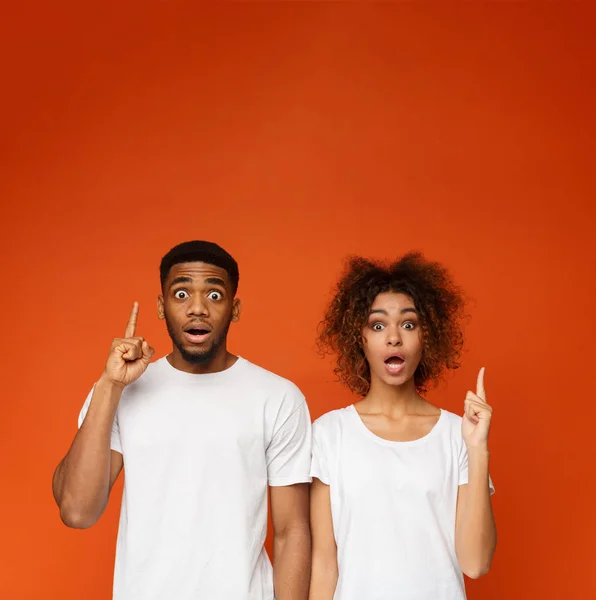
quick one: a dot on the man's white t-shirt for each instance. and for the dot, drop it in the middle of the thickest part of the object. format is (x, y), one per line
(393, 506)
(199, 452)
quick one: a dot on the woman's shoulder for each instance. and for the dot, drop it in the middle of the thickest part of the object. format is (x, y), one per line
(451, 417)
(452, 426)
(332, 420)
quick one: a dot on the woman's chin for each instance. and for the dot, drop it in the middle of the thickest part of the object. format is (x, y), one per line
(396, 380)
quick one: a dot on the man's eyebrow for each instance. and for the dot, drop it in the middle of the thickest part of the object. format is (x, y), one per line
(216, 281)
(180, 279)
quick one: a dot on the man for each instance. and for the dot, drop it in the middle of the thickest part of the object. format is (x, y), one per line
(201, 433)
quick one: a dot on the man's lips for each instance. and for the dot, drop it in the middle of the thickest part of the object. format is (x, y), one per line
(197, 333)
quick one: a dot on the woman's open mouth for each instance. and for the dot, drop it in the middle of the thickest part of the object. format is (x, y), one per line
(394, 364)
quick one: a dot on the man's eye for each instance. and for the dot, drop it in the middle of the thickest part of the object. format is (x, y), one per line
(181, 295)
(215, 295)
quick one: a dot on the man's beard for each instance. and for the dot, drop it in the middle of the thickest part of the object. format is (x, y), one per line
(201, 357)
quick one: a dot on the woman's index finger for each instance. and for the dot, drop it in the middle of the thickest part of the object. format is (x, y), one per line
(480, 385)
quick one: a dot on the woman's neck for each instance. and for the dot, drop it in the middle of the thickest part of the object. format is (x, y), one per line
(393, 400)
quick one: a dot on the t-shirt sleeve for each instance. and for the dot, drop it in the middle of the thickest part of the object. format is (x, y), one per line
(319, 467)
(115, 441)
(463, 468)
(288, 453)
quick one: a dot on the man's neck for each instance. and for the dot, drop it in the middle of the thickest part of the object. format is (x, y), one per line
(220, 362)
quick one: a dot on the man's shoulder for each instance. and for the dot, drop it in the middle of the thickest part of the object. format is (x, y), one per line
(261, 377)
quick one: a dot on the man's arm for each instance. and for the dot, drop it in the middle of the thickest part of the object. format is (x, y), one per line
(83, 479)
(291, 541)
(324, 549)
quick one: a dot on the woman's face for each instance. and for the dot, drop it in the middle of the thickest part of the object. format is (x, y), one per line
(392, 339)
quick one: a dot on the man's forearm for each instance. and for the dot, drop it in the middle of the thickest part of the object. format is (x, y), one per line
(81, 481)
(291, 570)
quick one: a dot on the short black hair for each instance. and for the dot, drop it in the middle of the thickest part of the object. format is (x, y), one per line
(200, 251)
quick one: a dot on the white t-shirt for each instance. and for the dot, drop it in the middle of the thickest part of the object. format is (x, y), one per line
(199, 452)
(393, 506)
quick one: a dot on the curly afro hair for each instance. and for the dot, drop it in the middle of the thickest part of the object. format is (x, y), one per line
(439, 302)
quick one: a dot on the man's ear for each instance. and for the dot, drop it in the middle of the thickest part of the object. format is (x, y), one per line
(161, 313)
(236, 309)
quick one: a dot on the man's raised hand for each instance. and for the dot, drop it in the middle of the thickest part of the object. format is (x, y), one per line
(129, 356)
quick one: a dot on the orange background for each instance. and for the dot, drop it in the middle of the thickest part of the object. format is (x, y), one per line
(294, 134)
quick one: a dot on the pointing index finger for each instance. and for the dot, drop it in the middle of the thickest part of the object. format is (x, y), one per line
(480, 385)
(132, 321)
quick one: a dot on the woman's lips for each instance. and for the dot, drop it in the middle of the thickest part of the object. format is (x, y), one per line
(394, 366)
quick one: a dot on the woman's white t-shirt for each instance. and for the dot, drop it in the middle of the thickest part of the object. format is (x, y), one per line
(393, 506)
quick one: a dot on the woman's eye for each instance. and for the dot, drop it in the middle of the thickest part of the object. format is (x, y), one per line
(409, 325)
(215, 295)
(377, 327)
(181, 295)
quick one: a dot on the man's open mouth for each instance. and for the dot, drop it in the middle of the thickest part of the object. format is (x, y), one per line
(197, 333)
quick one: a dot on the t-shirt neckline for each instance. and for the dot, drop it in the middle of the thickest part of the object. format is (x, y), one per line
(201, 377)
(373, 436)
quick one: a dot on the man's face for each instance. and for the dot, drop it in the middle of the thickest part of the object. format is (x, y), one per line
(198, 306)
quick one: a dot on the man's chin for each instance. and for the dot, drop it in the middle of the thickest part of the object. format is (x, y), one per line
(195, 356)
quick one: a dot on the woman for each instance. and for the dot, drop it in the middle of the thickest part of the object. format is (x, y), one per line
(400, 499)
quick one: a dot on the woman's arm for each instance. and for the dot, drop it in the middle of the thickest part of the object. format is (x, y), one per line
(324, 571)
(475, 530)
